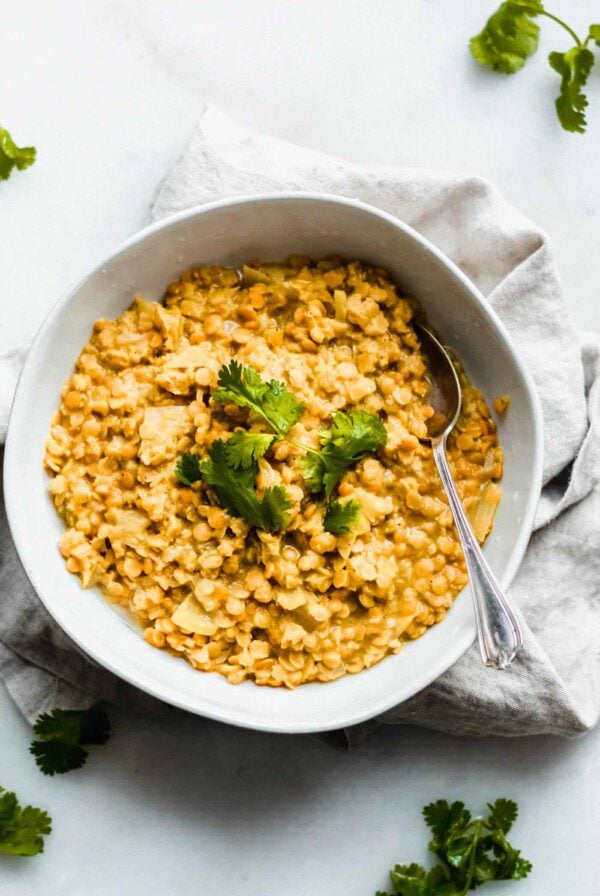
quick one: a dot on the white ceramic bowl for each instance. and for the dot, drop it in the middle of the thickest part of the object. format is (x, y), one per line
(230, 232)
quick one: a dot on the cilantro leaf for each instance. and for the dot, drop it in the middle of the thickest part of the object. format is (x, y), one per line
(503, 814)
(321, 472)
(355, 433)
(235, 491)
(95, 726)
(595, 33)
(340, 517)
(413, 880)
(522, 868)
(444, 819)
(508, 37)
(281, 408)
(187, 468)
(243, 448)
(574, 68)
(271, 400)
(352, 435)
(21, 829)
(55, 757)
(409, 880)
(61, 734)
(13, 156)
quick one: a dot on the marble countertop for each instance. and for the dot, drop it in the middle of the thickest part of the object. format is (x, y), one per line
(109, 91)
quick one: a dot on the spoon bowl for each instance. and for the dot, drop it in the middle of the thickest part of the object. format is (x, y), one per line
(444, 386)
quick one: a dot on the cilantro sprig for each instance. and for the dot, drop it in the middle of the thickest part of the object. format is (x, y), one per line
(62, 734)
(234, 487)
(472, 851)
(13, 156)
(22, 829)
(353, 434)
(272, 401)
(232, 466)
(511, 35)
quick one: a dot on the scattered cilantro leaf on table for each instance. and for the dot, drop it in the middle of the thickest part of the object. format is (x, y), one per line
(271, 400)
(472, 852)
(13, 156)
(508, 38)
(62, 734)
(22, 830)
(353, 434)
(235, 490)
(341, 517)
(511, 35)
(503, 814)
(574, 68)
(413, 880)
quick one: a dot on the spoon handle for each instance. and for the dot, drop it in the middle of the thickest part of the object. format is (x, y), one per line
(498, 632)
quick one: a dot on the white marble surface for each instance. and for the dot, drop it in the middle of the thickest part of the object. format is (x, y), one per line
(109, 92)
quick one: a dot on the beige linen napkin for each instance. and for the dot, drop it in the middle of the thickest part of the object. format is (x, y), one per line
(554, 685)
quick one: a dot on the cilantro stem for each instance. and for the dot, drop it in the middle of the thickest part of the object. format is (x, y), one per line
(476, 835)
(300, 445)
(562, 25)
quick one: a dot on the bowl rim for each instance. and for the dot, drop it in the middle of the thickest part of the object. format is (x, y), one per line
(153, 686)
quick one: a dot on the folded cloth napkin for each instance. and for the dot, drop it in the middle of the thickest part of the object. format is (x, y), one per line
(554, 684)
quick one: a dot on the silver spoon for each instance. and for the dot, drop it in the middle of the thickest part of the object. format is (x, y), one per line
(498, 632)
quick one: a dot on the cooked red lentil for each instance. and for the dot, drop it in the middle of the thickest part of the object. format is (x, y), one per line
(285, 607)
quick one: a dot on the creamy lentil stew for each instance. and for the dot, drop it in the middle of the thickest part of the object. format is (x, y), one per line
(286, 607)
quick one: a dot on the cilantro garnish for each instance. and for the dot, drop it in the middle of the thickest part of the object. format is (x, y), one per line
(472, 851)
(271, 401)
(21, 829)
(243, 448)
(62, 734)
(340, 517)
(187, 468)
(232, 465)
(235, 490)
(510, 36)
(13, 156)
(353, 434)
